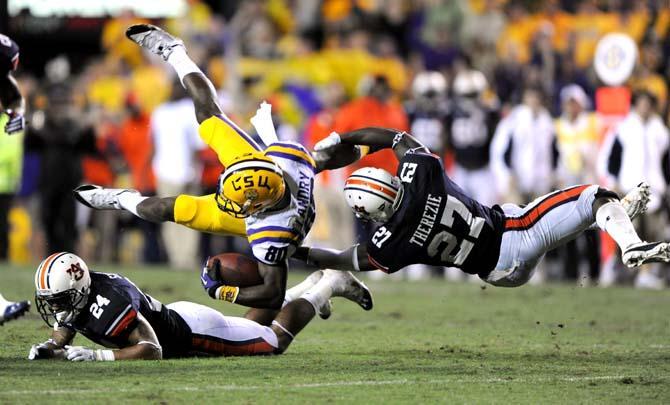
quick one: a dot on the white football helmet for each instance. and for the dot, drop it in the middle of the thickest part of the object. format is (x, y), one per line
(62, 285)
(429, 82)
(469, 82)
(373, 194)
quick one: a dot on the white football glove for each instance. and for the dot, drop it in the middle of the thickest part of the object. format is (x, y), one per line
(328, 142)
(80, 353)
(41, 351)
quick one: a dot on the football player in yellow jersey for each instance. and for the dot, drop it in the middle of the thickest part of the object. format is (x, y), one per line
(263, 195)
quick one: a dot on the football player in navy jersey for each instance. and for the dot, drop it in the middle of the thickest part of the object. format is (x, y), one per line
(425, 218)
(10, 96)
(12, 105)
(111, 311)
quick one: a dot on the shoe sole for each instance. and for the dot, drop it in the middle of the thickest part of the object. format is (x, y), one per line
(139, 29)
(78, 197)
(367, 295)
(658, 254)
(16, 315)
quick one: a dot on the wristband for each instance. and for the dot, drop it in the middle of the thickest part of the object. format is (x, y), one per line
(104, 355)
(227, 293)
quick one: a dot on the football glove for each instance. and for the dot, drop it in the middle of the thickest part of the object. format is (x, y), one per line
(328, 142)
(41, 351)
(210, 277)
(16, 122)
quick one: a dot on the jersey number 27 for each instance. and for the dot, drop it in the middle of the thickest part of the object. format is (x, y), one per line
(475, 224)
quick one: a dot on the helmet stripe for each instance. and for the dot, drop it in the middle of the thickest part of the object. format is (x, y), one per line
(376, 187)
(48, 270)
(355, 176)
(370, 191)
(43, 273)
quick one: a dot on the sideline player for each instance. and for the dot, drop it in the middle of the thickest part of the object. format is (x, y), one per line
(263, 195)
(12, 101)
(111, 311)
(13, 106)
(425, 218)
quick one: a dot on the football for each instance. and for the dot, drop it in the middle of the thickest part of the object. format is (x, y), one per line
(237, 270)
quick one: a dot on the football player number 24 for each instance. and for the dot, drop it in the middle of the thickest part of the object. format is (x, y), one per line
(97, 307)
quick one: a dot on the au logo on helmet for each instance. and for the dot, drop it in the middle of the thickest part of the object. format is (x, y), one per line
(250, 184)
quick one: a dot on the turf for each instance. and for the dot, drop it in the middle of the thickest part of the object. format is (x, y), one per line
(424, 342)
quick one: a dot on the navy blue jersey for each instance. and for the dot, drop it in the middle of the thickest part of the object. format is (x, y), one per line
(111, 312)
(429, 126)
(9, 55)
(436, 223)
(470, 128)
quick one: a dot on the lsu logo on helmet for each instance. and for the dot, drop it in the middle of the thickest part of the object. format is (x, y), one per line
(250, 184)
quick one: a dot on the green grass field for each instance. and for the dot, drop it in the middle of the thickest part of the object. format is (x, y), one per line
(424, 342)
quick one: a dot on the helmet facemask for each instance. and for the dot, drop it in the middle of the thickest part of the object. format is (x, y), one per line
(250, 185)
(62, 307)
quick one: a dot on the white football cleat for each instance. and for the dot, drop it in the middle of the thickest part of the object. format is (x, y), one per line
(635, 202)
(154, 39)
(345, 285)
(641, 253)
(10, 310)
(100, 198)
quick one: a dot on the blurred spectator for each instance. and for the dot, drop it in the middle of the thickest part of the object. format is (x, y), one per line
(523, 153)
(427, 110)
(375, 108)
(136, 146)
(114, 38)
(638, 150)
(11, 158)
(62, 137)
(177, 170)
(471, 126)
(577, 139)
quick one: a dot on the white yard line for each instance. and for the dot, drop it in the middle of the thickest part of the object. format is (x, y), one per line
(407, 382)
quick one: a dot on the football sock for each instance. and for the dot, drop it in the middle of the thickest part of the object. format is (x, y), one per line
(130, 201)
(2, 300)
(612, 218)
(300, 288)
(319, 294)
(181, 63)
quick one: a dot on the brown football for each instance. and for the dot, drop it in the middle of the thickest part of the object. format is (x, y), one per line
(237, 270)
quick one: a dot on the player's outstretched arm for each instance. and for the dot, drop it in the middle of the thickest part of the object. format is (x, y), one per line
(142, 345)
(354, 258)
(143, 342)
(54, 347)
(375, 138)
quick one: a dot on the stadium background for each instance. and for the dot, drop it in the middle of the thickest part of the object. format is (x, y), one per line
(324, 65)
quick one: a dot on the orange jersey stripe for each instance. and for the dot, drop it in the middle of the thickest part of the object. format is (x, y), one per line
(43, 271)
(356, 182)
(130, 316)
(532, 216)
(220, 348)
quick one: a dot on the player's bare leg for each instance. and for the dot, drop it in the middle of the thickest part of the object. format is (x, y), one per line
(299, 312)
(153, 209)
(173, 51)
(266, 316)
